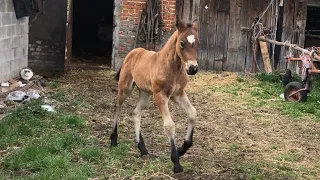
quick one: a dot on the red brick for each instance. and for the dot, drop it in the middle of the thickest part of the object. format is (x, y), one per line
(131, 11)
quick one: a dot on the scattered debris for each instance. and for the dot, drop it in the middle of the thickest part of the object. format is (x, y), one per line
(4, 89)
(21, 84)
(48, 108)
(24, 88)
(26, 74)
(33, 94)
(5, 84)
(17, 96)
(2, 104)
(282, 96)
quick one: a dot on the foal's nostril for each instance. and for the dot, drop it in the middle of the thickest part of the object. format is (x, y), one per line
(192, 70)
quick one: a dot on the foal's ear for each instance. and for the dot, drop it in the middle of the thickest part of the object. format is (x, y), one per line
(195, 24)
(179, 23)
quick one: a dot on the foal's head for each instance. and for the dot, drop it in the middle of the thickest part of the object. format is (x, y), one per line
(187, 45)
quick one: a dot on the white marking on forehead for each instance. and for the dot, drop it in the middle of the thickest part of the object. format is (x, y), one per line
(191, 39)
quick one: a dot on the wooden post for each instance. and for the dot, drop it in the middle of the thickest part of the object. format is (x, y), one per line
(265, 56)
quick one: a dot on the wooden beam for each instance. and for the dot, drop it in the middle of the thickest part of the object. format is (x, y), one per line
(294, 46)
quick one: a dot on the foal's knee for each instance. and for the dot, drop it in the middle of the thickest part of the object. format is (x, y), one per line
(169, 128)
(192, 115)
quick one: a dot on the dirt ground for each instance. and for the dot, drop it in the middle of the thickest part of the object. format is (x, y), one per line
(231, 141)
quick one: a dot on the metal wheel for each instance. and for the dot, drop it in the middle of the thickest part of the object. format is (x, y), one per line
(294, 87)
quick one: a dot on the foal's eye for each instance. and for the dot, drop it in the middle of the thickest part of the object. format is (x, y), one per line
(181, 44)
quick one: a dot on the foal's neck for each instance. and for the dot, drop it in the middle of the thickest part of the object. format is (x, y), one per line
(168, 53)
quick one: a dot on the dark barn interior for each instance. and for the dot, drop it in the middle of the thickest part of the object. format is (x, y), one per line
(313, 27)
(92, 31)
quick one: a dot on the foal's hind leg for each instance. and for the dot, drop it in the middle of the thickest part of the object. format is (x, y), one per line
(124, 90)
(183, 102)
(169, 127)
(143, 100)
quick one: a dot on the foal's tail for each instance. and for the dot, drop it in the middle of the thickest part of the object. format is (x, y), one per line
(117, 76)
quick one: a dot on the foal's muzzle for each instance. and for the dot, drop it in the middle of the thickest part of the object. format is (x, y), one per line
(192, 70)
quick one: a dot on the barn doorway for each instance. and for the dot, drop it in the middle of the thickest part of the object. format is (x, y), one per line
(313, 27)
(92, 31)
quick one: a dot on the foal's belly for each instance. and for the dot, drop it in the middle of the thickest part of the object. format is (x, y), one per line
(144, 86)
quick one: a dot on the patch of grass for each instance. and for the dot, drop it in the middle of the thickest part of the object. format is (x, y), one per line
(54, 84)
(41, 144)
(91, 153)
(239, 79)
(270, 78)
(233, 147)
(77, 102)
(266, 170)
(270, 86)
(60, 96)
(273, 146)
(289, 157)
(73, 121)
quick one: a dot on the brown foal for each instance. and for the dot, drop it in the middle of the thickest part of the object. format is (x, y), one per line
(164, 75)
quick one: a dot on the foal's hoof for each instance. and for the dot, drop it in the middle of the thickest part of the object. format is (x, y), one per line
(177, 168)
(149, 156)
(113, 143)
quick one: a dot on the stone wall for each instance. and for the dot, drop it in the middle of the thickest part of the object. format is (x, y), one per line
(13, 41)
(129, 19)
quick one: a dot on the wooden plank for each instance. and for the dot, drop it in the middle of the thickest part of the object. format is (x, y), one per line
(225, 53)
(240, 63)
(179, 8)
(270, 23)
(287, 27)
(253, 11)
(212, 29)
(234, 34)
(221, 24)
(203, 34)
(266, 20)
(195, 9)
(300, 16)
(186, 10)
(265, 56)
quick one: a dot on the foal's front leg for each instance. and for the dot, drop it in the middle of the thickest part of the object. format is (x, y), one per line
(161, 101)
(184, 102)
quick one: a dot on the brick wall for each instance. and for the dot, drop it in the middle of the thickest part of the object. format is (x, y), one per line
(129, 19)
(13, 41)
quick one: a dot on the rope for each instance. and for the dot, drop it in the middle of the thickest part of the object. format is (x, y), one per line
(258, 25)
(258, 30)
(264, 12)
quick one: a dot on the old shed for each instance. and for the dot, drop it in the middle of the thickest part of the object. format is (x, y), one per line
(99, 32)
(227, 29)
(103, 32)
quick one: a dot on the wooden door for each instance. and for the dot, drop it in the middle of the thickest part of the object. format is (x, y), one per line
(213, 33)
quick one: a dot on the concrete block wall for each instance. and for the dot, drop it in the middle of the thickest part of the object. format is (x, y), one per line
(129, 19)
(13, 41)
